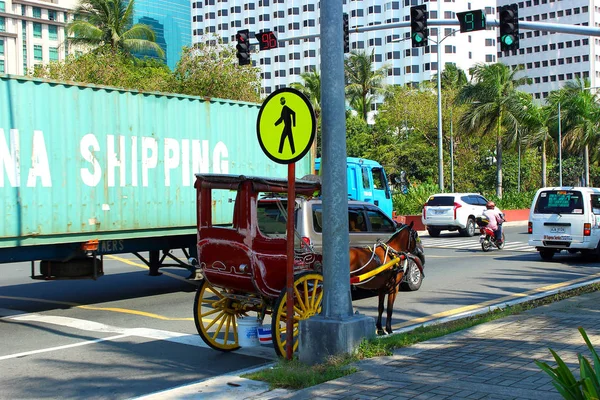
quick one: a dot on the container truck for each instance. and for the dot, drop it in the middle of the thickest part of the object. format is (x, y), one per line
(87, 171)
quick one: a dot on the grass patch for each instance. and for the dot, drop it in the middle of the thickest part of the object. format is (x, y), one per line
(295, 375)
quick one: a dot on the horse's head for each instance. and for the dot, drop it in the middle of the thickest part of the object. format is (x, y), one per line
(407, 239)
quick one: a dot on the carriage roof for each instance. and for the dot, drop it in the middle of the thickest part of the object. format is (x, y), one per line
(305, 186)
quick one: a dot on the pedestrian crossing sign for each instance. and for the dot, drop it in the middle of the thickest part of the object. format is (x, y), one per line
(286, 126)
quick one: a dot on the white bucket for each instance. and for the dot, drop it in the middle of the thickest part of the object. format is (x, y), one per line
(264, 334)
(247, 332)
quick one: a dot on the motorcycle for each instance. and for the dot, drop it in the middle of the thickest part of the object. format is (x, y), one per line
(488, 237)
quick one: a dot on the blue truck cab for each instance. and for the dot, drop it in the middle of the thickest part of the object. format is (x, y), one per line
(367, 181)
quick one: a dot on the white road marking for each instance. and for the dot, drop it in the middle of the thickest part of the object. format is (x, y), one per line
(28, 353)
(470, 244)
(146, 333)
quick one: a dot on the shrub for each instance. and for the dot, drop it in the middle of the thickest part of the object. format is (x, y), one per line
(587, 387)
(411, 202)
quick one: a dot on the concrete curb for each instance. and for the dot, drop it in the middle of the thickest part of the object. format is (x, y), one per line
(233, 386)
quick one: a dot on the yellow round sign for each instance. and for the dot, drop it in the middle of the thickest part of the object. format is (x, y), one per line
(286, 126)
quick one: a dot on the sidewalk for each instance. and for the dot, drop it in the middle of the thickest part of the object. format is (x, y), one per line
(489, 361)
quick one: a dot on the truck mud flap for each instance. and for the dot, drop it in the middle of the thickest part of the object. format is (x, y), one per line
(78, 268)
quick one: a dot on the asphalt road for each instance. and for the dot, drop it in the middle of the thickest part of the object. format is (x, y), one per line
(128, 334)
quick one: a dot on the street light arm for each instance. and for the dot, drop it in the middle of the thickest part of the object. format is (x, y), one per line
(447, 36)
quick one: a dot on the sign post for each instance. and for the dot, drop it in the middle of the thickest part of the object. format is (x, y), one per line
(286, 127)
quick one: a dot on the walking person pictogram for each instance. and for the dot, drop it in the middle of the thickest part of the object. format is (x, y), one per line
(288, 117)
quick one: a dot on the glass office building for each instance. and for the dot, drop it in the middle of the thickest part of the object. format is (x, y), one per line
(171, 21)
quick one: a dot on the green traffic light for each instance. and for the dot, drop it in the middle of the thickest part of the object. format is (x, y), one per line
(418, 37)
(508, 40)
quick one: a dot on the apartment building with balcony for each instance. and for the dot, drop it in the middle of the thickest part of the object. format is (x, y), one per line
(32, 32)
(551, 59)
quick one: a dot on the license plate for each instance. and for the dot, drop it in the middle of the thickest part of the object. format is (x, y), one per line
(439, 211)
(557, 229)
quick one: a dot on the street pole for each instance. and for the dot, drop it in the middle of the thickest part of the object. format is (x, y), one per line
(559, 149)
(337, 330)
(451, 154)
(440, 139)
(519, 163)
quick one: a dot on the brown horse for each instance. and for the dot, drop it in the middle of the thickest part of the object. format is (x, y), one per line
(405, 241)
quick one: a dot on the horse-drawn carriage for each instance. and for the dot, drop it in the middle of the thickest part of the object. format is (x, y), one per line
(244, 269)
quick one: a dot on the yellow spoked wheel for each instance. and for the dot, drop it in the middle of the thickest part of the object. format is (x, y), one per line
(216, 317)
(308, 296)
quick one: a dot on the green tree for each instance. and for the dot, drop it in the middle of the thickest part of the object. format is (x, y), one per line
(363, 81)
(536, 132)
(212, 70)
(579, 117)
(452, 80)
(405, 133)
(311, 88)
(103, 66)
(99, 22)
(359, 139)
(453, 77)
(493, 105)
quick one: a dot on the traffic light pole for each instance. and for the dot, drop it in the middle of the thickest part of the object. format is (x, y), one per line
(439, 101)
(440, 133)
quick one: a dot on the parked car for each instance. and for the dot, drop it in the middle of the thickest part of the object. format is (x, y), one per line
(453, 212)
(565, 218)
(367, 224)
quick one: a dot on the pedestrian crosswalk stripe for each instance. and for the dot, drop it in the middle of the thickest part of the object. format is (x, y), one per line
(441, 243)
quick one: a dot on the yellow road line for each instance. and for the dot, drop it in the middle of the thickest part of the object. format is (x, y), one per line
(110, 309)
(488, 303)
(144, 266)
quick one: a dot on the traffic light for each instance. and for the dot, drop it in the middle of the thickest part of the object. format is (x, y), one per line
(418, 25)
(509, 27)
(243, 46)
(346, 34)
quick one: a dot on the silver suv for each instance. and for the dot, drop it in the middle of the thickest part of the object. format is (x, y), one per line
(368, 224)
(453, 211)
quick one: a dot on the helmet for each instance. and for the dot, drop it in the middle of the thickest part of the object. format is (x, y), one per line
(490, 205)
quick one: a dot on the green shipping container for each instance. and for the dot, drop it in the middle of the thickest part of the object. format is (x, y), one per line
(84, 162)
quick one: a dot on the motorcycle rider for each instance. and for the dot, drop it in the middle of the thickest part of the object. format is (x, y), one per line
(496, 219)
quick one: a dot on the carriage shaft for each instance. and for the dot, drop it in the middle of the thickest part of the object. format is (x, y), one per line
(362, 277)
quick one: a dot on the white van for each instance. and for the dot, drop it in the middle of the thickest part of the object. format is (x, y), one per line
(565, 218)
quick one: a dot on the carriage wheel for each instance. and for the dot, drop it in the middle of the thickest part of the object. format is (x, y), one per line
(216, 317)
(308, 296)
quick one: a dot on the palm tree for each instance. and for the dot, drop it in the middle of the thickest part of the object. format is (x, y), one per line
(311, 88)
(363, 83)
(452, 77)
(110, 22)
(534, 129)
(579, 117)
(493, 105)
(452, 80)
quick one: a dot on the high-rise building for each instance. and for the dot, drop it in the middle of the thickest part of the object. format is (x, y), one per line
(32, 32)
(550, 59)
(171, 21)
(390, 48)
